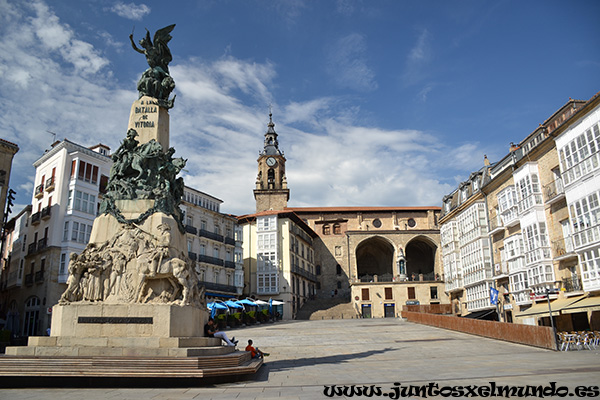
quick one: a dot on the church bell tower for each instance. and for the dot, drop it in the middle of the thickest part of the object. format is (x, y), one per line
(271, 192)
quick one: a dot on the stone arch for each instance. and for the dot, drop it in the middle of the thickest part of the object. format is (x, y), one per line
(420, 257)
(374, 256)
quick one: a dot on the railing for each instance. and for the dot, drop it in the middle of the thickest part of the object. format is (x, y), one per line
(304, 273)
(191, 229)
(210, 235)
(29, 279)
(42, 244)
(495, 223)
(210, 260)
(39, 276)
(31, 248)
(562, 247)
(501, 268)
(218, 287)
(572, 284)
(230, 241)
(229, 264)
(50, 184)
(553, 190)
(46, 212)
(35, 218)
(193, 256)
(39, 191)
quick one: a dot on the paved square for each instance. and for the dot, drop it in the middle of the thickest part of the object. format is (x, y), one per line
(307, 355)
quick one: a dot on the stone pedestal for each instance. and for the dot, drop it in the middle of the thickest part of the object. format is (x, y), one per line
(127, 320)
(150, 121)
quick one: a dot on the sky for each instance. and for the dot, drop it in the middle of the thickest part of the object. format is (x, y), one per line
(376, 102)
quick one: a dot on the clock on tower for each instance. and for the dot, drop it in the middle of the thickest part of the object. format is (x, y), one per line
(271, 192)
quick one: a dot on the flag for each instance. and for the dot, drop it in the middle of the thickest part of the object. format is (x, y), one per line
(493, 296)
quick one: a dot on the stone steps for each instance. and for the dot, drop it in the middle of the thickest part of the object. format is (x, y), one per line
(236, 363)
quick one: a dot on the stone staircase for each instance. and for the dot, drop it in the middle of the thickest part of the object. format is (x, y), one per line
(153, 358)
(327, 308)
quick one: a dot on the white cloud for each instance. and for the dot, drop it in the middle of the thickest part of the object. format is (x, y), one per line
(418, 58)
(218, 124)
(347, 64)
(131, 10)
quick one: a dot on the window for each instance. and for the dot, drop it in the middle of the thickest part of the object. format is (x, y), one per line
(388, 293)
(377, 223)
(326, 229)
(337, 229)
(411, 293)
(339, 284)
(66, 232)
(433, 291)
(84, 202)
(365, 294)
(87, 172)
(318, 270)
(338, 269)
(338, 251)
(62, 270)
(412, 223)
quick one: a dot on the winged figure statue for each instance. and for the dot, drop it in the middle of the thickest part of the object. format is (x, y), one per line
(156, 81)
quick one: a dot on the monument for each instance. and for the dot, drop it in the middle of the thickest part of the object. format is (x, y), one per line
(133, 292)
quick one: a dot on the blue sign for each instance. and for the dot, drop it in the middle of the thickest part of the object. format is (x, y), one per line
(493, 296)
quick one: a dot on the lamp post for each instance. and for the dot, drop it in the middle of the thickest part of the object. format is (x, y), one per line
(548, 292)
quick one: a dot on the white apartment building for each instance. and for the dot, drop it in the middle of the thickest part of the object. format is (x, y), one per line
(579, 154)
(214, 244)
(466, 249)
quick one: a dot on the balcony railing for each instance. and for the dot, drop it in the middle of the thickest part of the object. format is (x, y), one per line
(218, 287)
(42, 244)
(39, 276)
(304, 273)
(501, 268)
(46, 212)
(229, 264)
(572, 284)
(210, 235)
(210, 260)
(554, 191)
(50, 184)
(193, 256)
(39, 191)
(29, 279)
(35, 218)
(230, 241)
(31, 248)
(563, 247)
(191, 229)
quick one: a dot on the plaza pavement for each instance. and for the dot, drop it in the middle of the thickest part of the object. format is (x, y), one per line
(307, 355)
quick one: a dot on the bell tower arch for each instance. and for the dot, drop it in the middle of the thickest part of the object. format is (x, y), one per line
(271, 192)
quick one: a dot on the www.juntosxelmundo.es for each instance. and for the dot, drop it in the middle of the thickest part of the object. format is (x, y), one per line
(433, 389)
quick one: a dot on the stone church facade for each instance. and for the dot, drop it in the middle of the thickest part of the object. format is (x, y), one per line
(380, 258)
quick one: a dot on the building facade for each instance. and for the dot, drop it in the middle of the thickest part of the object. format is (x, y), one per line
(7, 152)
(534, 200)
(214, 244)
(379, 258)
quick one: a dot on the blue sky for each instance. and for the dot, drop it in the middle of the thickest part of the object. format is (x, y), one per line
(375, 102)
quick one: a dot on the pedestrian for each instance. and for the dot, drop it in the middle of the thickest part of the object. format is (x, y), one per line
(211, 330)
(254, 352)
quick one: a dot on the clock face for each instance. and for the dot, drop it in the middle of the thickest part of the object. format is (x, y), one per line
(271, 161)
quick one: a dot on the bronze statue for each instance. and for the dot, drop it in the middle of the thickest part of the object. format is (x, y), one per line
(156, 81)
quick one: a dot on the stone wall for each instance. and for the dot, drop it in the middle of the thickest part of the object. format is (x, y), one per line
(538, 336)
